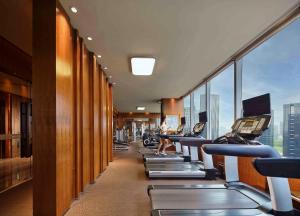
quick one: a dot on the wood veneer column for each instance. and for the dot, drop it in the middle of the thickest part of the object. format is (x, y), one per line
(52, 98)
(96, 117)
(86, 116)
(110, 123)
(92, 68)
(78, 173)
(104, 120)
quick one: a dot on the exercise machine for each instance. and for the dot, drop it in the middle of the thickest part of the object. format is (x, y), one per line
(234, 197)
(194, 168)
(182, 153)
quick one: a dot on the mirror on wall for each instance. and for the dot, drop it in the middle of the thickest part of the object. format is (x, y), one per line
(15, 140)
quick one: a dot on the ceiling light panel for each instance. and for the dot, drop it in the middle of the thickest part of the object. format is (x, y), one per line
(142, 66)
(140, 108)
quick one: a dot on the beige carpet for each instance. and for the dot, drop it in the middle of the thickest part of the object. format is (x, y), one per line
(120, 191)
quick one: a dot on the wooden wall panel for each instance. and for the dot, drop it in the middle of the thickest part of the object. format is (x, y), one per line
(96, 116)
(295, 187)
(64, 113)
(96, 93)
(171, 106)
(72, 113)
(104, 121)
(13, 60)
(16, 125)
(8, 147)
(14, 85)
(77, 167)
(44, 108)
(249, 175)
(107, 119)
(85, 114)
(110, 123)
(92, 61)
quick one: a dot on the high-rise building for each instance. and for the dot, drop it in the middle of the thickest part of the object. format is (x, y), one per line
(267, 137)
(291, 130)
(214, 114)
(187, 115)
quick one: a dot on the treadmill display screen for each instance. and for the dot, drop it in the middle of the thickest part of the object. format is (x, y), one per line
(203, 117)
(182, 120)
(256, 106)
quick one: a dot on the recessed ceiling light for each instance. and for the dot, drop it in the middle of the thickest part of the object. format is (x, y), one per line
(74, 9)
(140, 108)
(89, 38)
(142, 66)
(105, 68)
(99, 56)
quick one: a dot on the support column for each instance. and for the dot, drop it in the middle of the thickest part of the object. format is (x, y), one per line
(52, 103)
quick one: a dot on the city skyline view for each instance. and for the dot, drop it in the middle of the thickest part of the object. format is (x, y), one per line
(272, 67)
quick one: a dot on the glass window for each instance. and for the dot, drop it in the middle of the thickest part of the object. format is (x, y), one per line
(274, 67)
(187, 112)
(222, 102)
(172, 122)
(198, 105)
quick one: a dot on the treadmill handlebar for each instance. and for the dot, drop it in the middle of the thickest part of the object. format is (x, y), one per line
(192, 141)
(278, 167)
(262, 151)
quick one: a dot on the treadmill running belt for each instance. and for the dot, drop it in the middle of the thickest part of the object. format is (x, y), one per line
(178, 168)
(161, 156)
(227, 212)
(200, 199)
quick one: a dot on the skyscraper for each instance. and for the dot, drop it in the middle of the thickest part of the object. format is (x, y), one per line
(267, 137)
(291, 130)
(187, 113)
(214, 113)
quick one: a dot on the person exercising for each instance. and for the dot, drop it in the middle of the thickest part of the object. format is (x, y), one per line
(163, 138)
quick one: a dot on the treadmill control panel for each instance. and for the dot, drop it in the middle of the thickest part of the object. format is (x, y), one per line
(180, 129)
(198, 128)
(251, 126)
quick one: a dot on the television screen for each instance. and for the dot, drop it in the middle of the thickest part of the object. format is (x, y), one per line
(202, 117)
(182, 121)
(257, 105)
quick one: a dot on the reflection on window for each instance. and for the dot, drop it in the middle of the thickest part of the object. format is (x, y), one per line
(187, 112)
(274, 67)
(172, 122)
(222, 102)
(198, 105)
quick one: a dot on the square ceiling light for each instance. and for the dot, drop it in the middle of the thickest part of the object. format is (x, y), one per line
(140, 108)
(142, 66)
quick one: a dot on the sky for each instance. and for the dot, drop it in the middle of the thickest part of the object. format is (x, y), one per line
(273, 67)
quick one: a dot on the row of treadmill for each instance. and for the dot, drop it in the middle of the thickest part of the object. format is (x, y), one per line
(194, 159)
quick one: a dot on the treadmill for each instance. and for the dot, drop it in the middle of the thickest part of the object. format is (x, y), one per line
(233, 198)
(192, 169)
(171, 157)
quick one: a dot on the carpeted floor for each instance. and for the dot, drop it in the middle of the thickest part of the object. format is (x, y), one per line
(120, 191)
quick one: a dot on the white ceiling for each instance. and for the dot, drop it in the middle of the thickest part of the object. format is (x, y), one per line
(189, 39)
